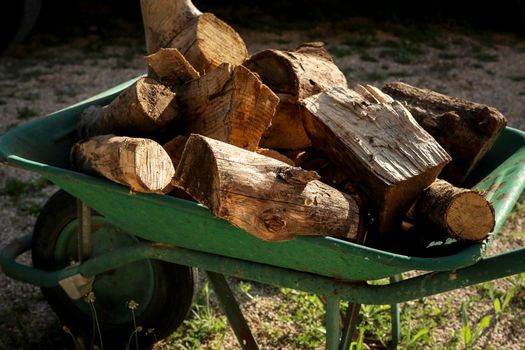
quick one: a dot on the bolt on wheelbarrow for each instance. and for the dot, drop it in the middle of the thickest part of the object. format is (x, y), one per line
(94, 236)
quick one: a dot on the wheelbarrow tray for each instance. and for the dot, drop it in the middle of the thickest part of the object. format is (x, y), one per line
(43, 146)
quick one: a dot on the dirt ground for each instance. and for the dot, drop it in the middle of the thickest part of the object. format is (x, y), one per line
(43, 76)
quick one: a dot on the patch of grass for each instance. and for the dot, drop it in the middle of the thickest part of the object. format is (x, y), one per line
(25, 113)
(368, 58)
(521, 93)
(15, 188)
(306, 310)
(402, 52)
(374, 76)
(203, 326)
(359, 43)
(30, 207)
(340, 51)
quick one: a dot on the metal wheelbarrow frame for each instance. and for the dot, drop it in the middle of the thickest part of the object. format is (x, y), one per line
(186, 233)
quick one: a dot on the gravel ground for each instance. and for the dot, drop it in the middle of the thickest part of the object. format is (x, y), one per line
(39, 79)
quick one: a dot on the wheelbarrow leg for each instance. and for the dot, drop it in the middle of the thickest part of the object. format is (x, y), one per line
(396, 324)
(85, 246)
(349, 326)
(333, 327)
(232, 311)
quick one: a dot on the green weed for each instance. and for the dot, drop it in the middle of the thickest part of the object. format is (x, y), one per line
(25, 113)
(15, 188)
(306, 310)
(203, 325)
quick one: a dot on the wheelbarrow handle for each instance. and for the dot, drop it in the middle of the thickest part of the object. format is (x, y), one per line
(493, 267)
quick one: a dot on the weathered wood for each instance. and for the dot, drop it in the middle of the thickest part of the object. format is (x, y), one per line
(465, 129)
(164, 19)
(206, 42)
(387, 155)
(287, 130)
(264, 196)
(456, 212)
(229, 104)
(171, 67)
(174, 149)
(275, 155)
(143, 107)
(139, 163)
(294, 75)
(302, 72)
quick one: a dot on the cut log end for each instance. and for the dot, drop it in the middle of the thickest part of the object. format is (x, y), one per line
(139, 163)
(470, 217)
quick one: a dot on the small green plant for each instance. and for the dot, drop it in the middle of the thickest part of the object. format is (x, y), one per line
(25, 113)
(245, 287)
(203, 326)
(16, 188)
(132, 305)
(471, 335)
(307, 310)
(90, 299)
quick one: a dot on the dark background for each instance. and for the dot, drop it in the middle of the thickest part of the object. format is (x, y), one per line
(59, 20)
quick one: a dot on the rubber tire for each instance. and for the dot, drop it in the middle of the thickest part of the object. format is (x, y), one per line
(172, 297)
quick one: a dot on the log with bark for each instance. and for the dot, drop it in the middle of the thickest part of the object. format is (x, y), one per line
(144, 107)
(229, 104)
(294, 75)
(454, 212)
(465, 129)
(378, 144)
(203, 39)
(264, 196)
(141, 164)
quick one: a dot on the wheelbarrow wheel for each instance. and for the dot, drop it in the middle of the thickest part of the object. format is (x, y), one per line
(163, 291)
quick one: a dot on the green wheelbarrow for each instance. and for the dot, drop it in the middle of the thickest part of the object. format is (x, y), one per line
(95, 236)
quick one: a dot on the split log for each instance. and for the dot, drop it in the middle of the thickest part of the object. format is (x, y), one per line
(202, 38)
(174, 149)
(264, 196)
(454, 212)
(287, 130)
(387, 155)
(164, 19)
(465, 129)
(296, 74)
(229, 104)
(143, 107)
(171, 67)
(139, 163)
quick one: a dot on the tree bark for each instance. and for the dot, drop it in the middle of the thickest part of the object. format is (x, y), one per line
(139, 163)
(294, 75)
(171, 67)
(374, 139)
(264, 196)
(164, 19)
(465, 129)
(229, 104)
(454, 212)
(143, 107)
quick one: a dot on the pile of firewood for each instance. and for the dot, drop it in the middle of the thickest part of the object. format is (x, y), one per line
(279, 145)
